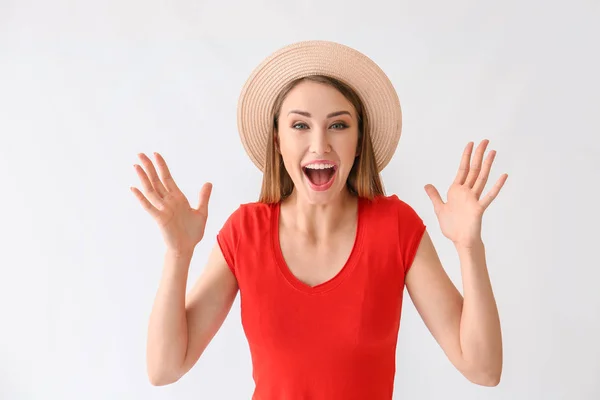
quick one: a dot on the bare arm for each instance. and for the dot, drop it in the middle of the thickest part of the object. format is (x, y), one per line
(181, 327)
(468, 330)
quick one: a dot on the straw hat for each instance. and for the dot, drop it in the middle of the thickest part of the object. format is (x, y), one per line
(301, 59)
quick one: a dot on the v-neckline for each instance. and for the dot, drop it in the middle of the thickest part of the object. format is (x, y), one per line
(335, 280)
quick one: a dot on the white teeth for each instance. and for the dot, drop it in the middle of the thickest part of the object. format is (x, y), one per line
(319, 166)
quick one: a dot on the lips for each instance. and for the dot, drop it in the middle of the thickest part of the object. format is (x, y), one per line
(320, 175)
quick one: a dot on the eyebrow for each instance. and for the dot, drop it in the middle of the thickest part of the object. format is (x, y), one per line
(308, 115)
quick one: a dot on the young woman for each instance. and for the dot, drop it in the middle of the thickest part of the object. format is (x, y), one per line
(322, 259)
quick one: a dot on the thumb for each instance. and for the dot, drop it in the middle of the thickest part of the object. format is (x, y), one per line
(204, 198)
(434, 196)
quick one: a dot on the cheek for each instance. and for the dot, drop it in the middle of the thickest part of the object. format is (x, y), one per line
(289, 153)
(347, 148)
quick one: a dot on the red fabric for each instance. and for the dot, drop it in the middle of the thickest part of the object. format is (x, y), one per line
(336, 340)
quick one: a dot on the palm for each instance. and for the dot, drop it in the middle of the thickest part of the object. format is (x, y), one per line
(177, 214)
(182, 226)
(461, 215)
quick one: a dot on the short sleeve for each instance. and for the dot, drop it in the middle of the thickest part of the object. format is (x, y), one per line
(228, 239)
(411, 229)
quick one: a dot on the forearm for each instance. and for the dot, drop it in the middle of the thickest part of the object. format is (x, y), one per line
(480, 333)
(167, 329)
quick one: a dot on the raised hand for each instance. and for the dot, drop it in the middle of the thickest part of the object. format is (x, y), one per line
(181, 225)
(461, 215)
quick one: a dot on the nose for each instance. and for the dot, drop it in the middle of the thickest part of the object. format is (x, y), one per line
(319, 141)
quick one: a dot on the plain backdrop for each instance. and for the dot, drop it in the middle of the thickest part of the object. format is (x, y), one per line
(85, 86)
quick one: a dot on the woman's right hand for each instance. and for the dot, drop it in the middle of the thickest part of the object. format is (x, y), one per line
(181, 225)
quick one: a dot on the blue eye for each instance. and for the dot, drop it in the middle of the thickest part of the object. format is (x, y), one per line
(337, 126)
(295, 126)
(341, 125)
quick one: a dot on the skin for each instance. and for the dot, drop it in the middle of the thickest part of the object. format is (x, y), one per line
(306, 133)
(467, 328)
(182, 324)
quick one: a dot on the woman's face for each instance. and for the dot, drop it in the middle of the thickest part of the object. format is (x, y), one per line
(318, 138)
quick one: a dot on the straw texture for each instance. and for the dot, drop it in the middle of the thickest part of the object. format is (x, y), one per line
(301, 59)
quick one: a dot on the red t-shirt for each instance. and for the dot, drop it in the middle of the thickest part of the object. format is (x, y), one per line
(336, 340)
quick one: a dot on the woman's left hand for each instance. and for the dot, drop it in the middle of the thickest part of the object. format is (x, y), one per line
(460, 217)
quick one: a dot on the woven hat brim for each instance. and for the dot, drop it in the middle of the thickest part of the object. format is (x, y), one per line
(317, 57)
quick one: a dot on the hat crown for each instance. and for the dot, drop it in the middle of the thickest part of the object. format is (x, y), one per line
(319, 57)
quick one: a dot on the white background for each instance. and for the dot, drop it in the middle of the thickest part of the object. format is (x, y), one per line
(85, 86)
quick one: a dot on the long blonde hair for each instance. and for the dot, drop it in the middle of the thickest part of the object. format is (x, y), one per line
(364, 179)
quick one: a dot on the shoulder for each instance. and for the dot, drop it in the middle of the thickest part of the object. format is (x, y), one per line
(392, 203)
(392, 209)
(252, 216)
(248, 220)
(392, 220)
(253, 211)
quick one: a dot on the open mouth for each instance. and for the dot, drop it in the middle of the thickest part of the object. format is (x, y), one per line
(320, 175)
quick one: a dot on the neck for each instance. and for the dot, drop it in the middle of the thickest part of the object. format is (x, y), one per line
(319, 221)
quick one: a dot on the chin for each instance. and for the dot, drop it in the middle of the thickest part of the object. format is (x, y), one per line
(321, 194)
(321, 198)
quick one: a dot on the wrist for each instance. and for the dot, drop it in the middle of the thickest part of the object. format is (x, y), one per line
(180, 253)
(473, 246)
